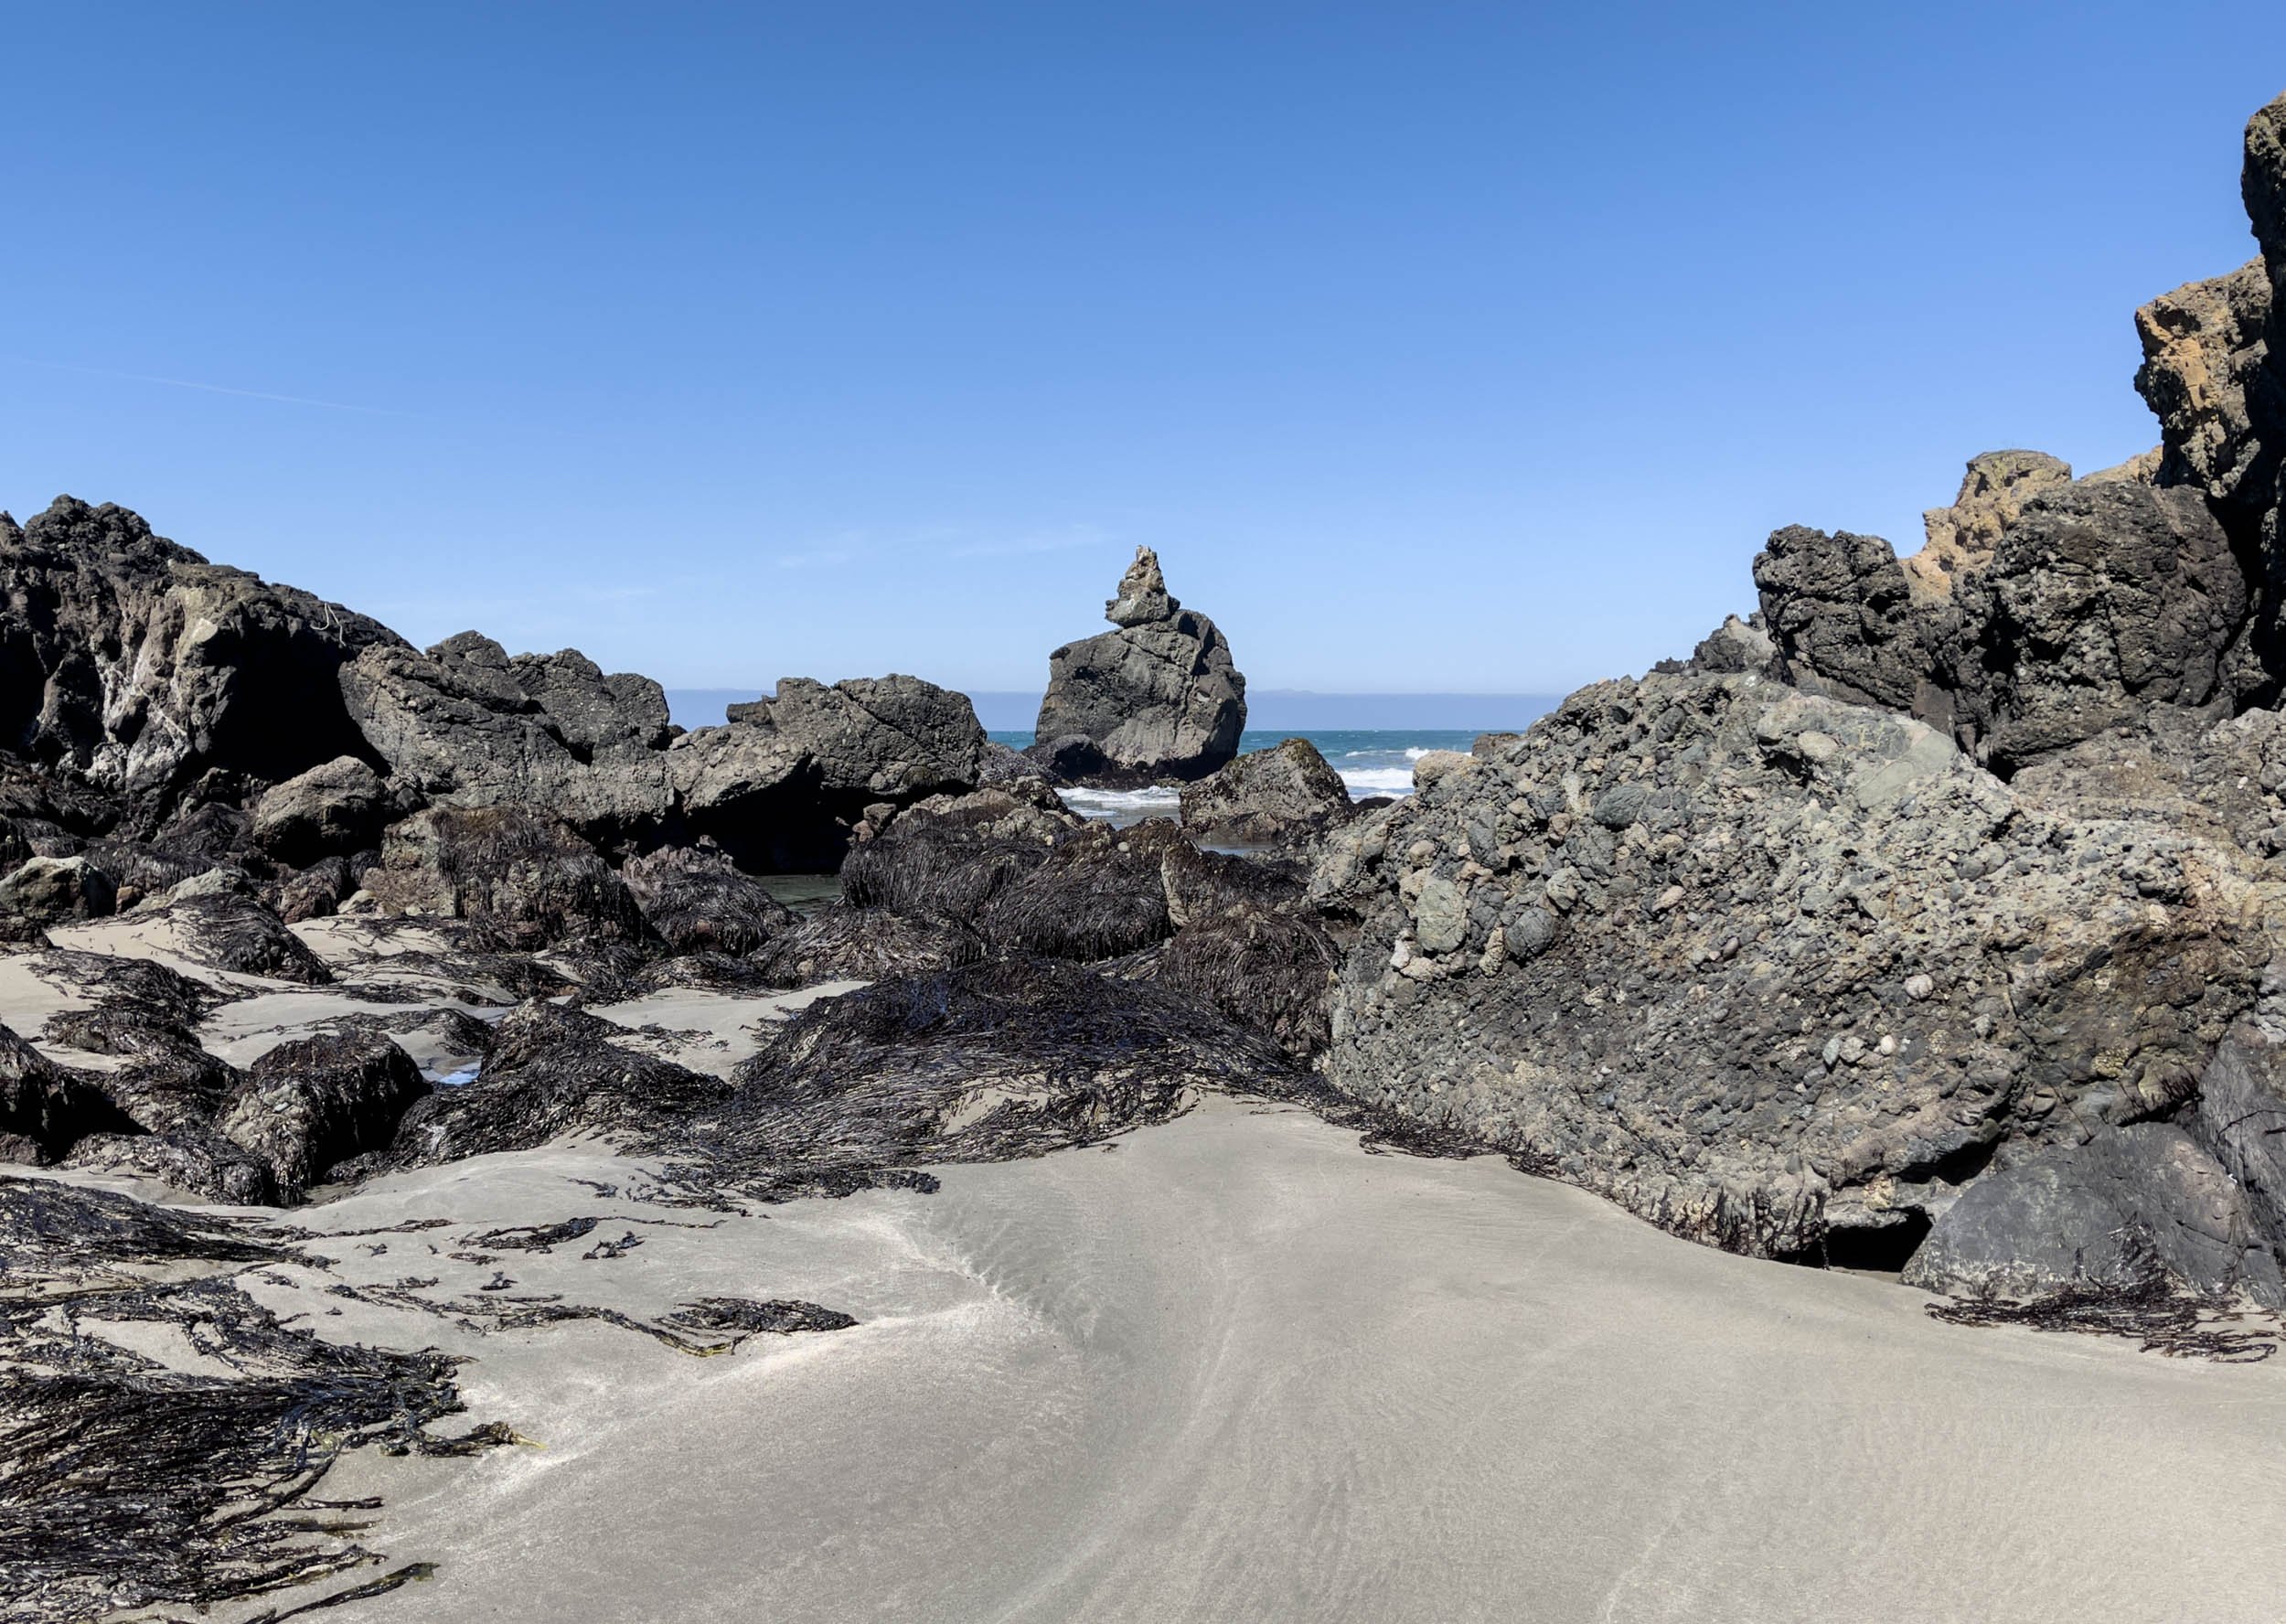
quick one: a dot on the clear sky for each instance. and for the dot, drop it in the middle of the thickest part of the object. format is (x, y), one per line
(1434, 347)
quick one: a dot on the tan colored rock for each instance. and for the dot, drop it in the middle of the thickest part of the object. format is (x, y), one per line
(1962, 538)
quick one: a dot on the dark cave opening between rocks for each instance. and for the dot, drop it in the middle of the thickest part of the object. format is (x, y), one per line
(1886, 1250)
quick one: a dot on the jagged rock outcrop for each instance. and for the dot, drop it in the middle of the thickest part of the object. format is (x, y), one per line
(461, 726)
(2204, 353)
(1158, 699)
(784, 782)
(143, 690)
(2100, 600)
(133, 668)
(1284, 793)
(1765, 966)
(1960, 539)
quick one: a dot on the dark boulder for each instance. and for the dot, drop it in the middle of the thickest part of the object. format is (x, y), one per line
(52, 1107)
(983, 1063)
(552, 1073)
(1840, 616)
(698, 902)
(2106, 1213)
(334, 808)
(2105, 601)
(1157, 696)
(52, 890)
(167, 1083)
(1285, 793)
(199, 1163)
(1248, 944)
(2099, 602)
(309, 1104)
(524, 878)
(225, 927)
(319, 890)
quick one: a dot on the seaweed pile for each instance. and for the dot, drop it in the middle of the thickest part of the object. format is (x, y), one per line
(2154, 1311)
(124, 1482)
(133, 1481)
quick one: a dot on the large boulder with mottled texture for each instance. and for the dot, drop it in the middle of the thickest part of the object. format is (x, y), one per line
(131, 668)
(1762, 964)
(1159, 696)
(1287, 792)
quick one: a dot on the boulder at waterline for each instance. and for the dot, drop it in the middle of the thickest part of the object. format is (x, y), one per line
(1284, 793)
(1157, 696)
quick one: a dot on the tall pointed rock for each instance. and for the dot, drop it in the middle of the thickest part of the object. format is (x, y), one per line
(1155, 701)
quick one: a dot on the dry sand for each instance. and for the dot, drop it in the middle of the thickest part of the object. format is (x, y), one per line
(1236, 1369)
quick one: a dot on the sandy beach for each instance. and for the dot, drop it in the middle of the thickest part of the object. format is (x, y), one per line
(1234, 1368)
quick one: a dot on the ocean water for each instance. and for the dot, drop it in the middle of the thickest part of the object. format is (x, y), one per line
(1372, 762)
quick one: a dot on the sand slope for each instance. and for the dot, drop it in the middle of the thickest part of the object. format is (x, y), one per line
(1236, 1369)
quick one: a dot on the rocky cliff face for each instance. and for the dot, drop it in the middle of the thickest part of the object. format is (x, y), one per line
(1158, 699)
(147, 694)
(1950, 912)
(136, 669)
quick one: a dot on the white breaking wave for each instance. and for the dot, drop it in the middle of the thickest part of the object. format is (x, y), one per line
(1111, 803)
(1378, 781)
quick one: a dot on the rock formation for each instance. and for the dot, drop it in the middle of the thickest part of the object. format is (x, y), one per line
(782, 784)
(132, 667)
(1267, 795)
(459, 726)
(1950, 915)
(1155, 701)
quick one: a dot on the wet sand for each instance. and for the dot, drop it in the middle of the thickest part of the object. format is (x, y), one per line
(1236, 1369)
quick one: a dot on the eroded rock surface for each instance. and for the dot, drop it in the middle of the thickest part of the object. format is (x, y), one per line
(1760, 964)
(1284, 793)
(135, 668)
(1158, 699)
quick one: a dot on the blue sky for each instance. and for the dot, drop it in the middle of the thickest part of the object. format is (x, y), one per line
(1434, 347)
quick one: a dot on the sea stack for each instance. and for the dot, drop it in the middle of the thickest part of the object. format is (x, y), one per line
(1156, 700)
